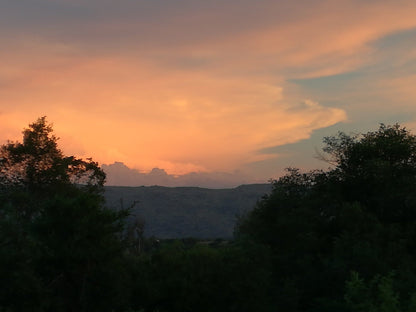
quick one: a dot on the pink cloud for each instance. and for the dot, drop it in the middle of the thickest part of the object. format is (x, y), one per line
(191, 89)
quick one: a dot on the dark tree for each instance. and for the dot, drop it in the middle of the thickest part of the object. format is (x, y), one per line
(60, 246)
(38, 163)
(359, 215)
(377, 169)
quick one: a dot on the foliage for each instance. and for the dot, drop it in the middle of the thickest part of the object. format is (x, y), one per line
(38, 163)
(62, 250)
(336, 240)
(177, 276)
(57, 238)
(377, 169)
(359, 215)
(376, 295)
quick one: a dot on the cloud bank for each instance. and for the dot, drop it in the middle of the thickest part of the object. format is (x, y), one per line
(202, 86)
(119, 174)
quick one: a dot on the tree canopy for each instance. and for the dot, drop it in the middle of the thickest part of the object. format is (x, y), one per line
(357, 216)
(341, 239)
(56, 235)
(37, 162)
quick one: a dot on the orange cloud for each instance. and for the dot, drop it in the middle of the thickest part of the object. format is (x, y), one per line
(194, 91)
(178, 121)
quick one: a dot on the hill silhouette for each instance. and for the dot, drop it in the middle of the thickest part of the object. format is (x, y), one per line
(178, 212)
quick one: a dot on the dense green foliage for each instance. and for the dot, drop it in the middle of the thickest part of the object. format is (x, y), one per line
(337, 240)
(190, 275)
(56, 237)
(62, 250)
(359, 216)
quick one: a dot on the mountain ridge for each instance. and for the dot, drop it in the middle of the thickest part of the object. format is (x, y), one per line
(186, 211)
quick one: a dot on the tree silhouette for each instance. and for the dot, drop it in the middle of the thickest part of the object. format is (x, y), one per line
(60, 244)
(359, 215)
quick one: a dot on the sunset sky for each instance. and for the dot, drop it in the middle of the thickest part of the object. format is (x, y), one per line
(245, 87)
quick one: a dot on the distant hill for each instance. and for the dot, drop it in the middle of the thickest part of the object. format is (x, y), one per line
(178, 212)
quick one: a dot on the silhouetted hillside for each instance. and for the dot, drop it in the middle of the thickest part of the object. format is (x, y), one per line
(187, 211)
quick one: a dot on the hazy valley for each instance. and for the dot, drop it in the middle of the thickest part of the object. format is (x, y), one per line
(177, 212)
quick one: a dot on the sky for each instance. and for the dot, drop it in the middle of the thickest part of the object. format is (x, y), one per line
(230, 91)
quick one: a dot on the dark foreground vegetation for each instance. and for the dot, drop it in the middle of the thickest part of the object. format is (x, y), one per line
(337, 240)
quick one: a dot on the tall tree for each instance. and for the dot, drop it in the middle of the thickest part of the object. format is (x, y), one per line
(358, 215)
(60, 244)
(38, 163)
(378, 169)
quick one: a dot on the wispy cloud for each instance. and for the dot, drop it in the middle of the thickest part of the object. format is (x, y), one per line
(196, 85)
